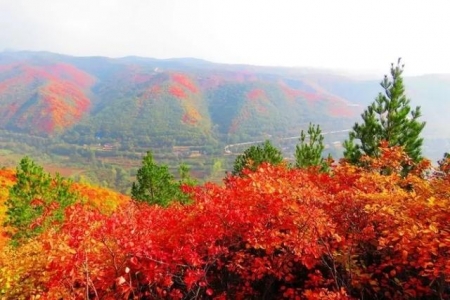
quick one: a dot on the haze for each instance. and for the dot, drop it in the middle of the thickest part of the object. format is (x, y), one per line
(352, 35)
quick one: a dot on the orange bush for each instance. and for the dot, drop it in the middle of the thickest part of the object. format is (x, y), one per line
(275, 233)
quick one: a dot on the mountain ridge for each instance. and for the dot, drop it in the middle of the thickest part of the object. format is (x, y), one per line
(187, 101)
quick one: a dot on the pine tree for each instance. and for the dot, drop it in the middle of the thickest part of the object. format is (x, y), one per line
(156, 185)
(389, 118)
(36, 200)
(309, 153)
(255, 155)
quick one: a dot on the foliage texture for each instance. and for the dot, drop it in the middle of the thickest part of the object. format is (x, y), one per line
(389, 118)
(36, 200)
(255, 156)
(276, 233)
(309, 153)
(156, 185)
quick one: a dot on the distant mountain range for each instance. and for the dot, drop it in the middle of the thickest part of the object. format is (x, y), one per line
(189, 101)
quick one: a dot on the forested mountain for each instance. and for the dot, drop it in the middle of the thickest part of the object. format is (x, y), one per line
(165, 100)
(143, 102)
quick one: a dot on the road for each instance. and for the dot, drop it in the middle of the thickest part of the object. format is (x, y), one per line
(228, 147)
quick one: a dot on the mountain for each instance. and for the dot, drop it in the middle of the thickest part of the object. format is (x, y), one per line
(145, 102)
(43, 98)
(49, 94)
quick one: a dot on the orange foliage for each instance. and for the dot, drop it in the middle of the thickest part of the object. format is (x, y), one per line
(177, 92)
(62, 100)
(63, 105)
(191, 115)
(182, 82)
(357, 232)
(7, 180)
(7, 177)
(69, 73)
(444, 165)
(105, 200)
(185, 81)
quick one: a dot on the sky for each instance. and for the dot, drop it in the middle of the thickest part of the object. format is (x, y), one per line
(353, 35)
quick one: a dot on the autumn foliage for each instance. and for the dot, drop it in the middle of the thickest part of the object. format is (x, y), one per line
(354, 233)
(7, 179)
(184, 89)
(185, 81)
(60, 94)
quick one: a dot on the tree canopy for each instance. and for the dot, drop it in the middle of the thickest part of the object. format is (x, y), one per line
(156, 185)
(255, 155)
(309, 151)
(389, 118)
(36, 200)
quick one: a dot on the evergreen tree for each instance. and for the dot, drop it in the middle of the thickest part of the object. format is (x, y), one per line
(389, 118)
(185, 175)
(36, 200)
(156, 185)
(309, 153)
(185, 180)
(255, 155)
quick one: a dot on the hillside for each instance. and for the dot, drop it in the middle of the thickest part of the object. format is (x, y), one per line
(133, 103)
(43, 98)
(276, 233)
(167, 100)
(102, 199)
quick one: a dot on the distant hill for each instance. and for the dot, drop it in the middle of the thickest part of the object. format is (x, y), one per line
(151, 102)
(43, 98)
(49, 94)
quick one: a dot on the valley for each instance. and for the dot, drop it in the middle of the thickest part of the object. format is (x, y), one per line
(93, 118)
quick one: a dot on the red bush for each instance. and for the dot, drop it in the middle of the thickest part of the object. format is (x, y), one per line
(275, 233)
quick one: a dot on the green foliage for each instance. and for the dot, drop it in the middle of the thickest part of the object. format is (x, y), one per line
(217, 168)
(156, 185)
(37, 200)
(106, 175)
(389, 118)
(309, 154)
(255, 155)
(185, 176)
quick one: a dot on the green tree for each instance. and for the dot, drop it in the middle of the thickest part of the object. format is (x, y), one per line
(217, 168)
(185, 180)
(255, 155)
(389, 118)
(309, 153)
(36, 200)
(121, 179)
(156, 185)
(185, 175)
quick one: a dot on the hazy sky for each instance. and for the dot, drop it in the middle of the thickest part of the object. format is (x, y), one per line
(343, 34)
